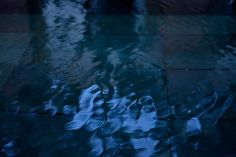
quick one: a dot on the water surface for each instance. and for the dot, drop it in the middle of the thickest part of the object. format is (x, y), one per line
(90, 80)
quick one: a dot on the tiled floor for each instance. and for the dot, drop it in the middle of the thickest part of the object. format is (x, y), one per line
(185, 64)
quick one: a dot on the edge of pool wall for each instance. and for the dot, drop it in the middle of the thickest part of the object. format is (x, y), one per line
(35, 6)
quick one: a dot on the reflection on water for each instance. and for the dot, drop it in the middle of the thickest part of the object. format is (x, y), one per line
(125, 85)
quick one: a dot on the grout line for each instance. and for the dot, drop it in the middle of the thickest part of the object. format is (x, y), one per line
(186, 118)
(151, 34)
(36, 113)
(165, 69)
(201, 69)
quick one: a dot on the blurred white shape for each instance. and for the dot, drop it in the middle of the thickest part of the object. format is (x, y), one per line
(86, 100)
(114, 58)
(146, 100)
(69, 109)
(146, 121)
(110, 143)
(112, 104)
(9, 149)
(97, 146)
(78, 121)
(146, 146)
(99, 103)
(193, 126)
(221, 103)
(65, 27)
(113, 125)
(52, 108)
(99, 111)
(129, 123)
(94, 124)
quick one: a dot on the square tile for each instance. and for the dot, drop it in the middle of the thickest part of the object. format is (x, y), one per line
(198, 42)
(13, 46)
(199, 25)
(199, 51)
(197, 138)
(123, 24)
(5, 73)
(204, 94)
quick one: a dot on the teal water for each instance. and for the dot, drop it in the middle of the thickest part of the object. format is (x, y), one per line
(79, 84)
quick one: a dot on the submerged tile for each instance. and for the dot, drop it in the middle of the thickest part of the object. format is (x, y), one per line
(204, 94)
(196, 25)
(206, 138)
(198, 42)
(5, 73)
(13, 45)
(15, 23)
(12, 48)
(105, 84)
(199, 52)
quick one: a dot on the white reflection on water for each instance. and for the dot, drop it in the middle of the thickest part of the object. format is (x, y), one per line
(9, 149)
(145, 146)
(118, 83)
(86, 101)
(193, 126)
(97, 146)
(65, 21)
(120, 115)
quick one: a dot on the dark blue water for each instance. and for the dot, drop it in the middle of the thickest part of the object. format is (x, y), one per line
(118, 78)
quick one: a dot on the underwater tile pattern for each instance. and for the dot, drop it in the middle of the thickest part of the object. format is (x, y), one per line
(202, 138)
(199, 52)
(206, 94)
(117, 85)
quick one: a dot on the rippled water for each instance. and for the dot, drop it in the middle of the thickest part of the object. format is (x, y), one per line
(117, 84)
